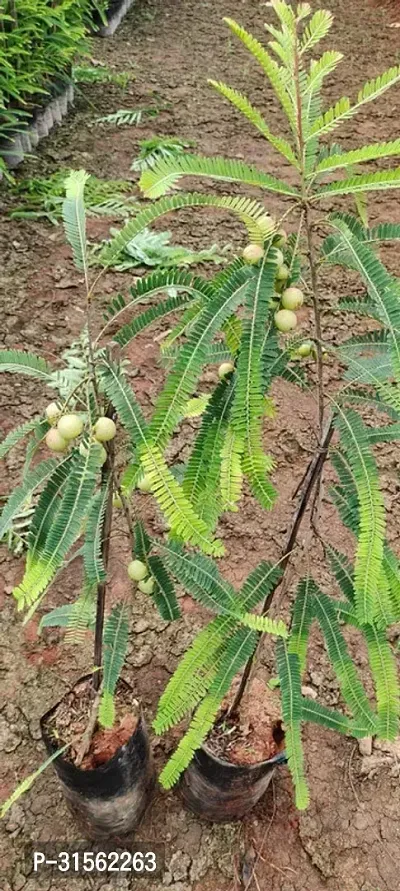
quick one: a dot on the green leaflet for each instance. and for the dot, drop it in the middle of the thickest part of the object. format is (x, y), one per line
(388, 586)
(326, 717)
(184, 522)
(384, 232)
(122, 397)
(21, 362)
(164, 592)
(385, 614)
(384, 671)
(359, 156)
(199, 728)
(382, 289)
(255, 117)
(270, 68)
(369, 358)
(47, 508)
(166, 173)
(179, 512)
(368, 340)
(369, 399)
(390, 433)
(146, 318)
(28, 782)
(74, 217)
(317, 28)
(232, 329)
(345, 612)
(274, 359)
(24, 492)
(248, 404)
(92, 558)
(14, 436)
(169, 347)
(34, 441)
(371, 514)
(115, 643)
(75, 617)
(343, 572)
(214, 408)
(291, 700)
(357, 228)
(196, 406)
(231, 470)
(368, 370)
(195, 672)
(319, 70)
(130, 477)
(302, 616)
(264, 624)
(200, 576)
(246, 209)
(367, 182)
(202, 474)
(392, 573)
(352, 689)
(142, 542)
(261, 581)
(64, 529)
(182, 380)
(56, 618)
(342, 110)
(82, 616)
(239, 649)
(345, 496)
(256, 465)
(191, 680)
(208, 504)
(157, 282)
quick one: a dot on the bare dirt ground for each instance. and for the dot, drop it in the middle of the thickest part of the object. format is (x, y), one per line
(349, 838)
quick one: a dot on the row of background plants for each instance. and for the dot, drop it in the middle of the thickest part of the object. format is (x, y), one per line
(235, 320)
(39, 41)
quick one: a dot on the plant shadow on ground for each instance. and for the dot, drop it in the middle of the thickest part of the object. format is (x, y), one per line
(349, 836)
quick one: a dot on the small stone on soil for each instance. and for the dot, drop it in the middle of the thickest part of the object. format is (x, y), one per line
(365, 746)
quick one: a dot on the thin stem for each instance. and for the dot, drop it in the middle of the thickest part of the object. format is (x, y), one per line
(125, 508)
(92, 360)
(297, 242)
(317, 317)
(309, 231)
(310, 480)
(87, 736)
(299, 108)
(107, 477)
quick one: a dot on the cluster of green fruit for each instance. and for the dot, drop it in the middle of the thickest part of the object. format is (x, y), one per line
(290, 299)
(67, 427)
(139, 573)
(285, 318)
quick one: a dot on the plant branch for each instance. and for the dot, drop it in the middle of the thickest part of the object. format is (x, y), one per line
(317, 318)
(87, 736)
(107, 477)
(311, 478)
(299, 105)
(125, 508)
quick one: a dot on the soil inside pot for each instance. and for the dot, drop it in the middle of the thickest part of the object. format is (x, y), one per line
(70, 720)
(254, 734)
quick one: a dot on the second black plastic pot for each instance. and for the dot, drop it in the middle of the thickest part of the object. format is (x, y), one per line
(107, 801)
(220, 791)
